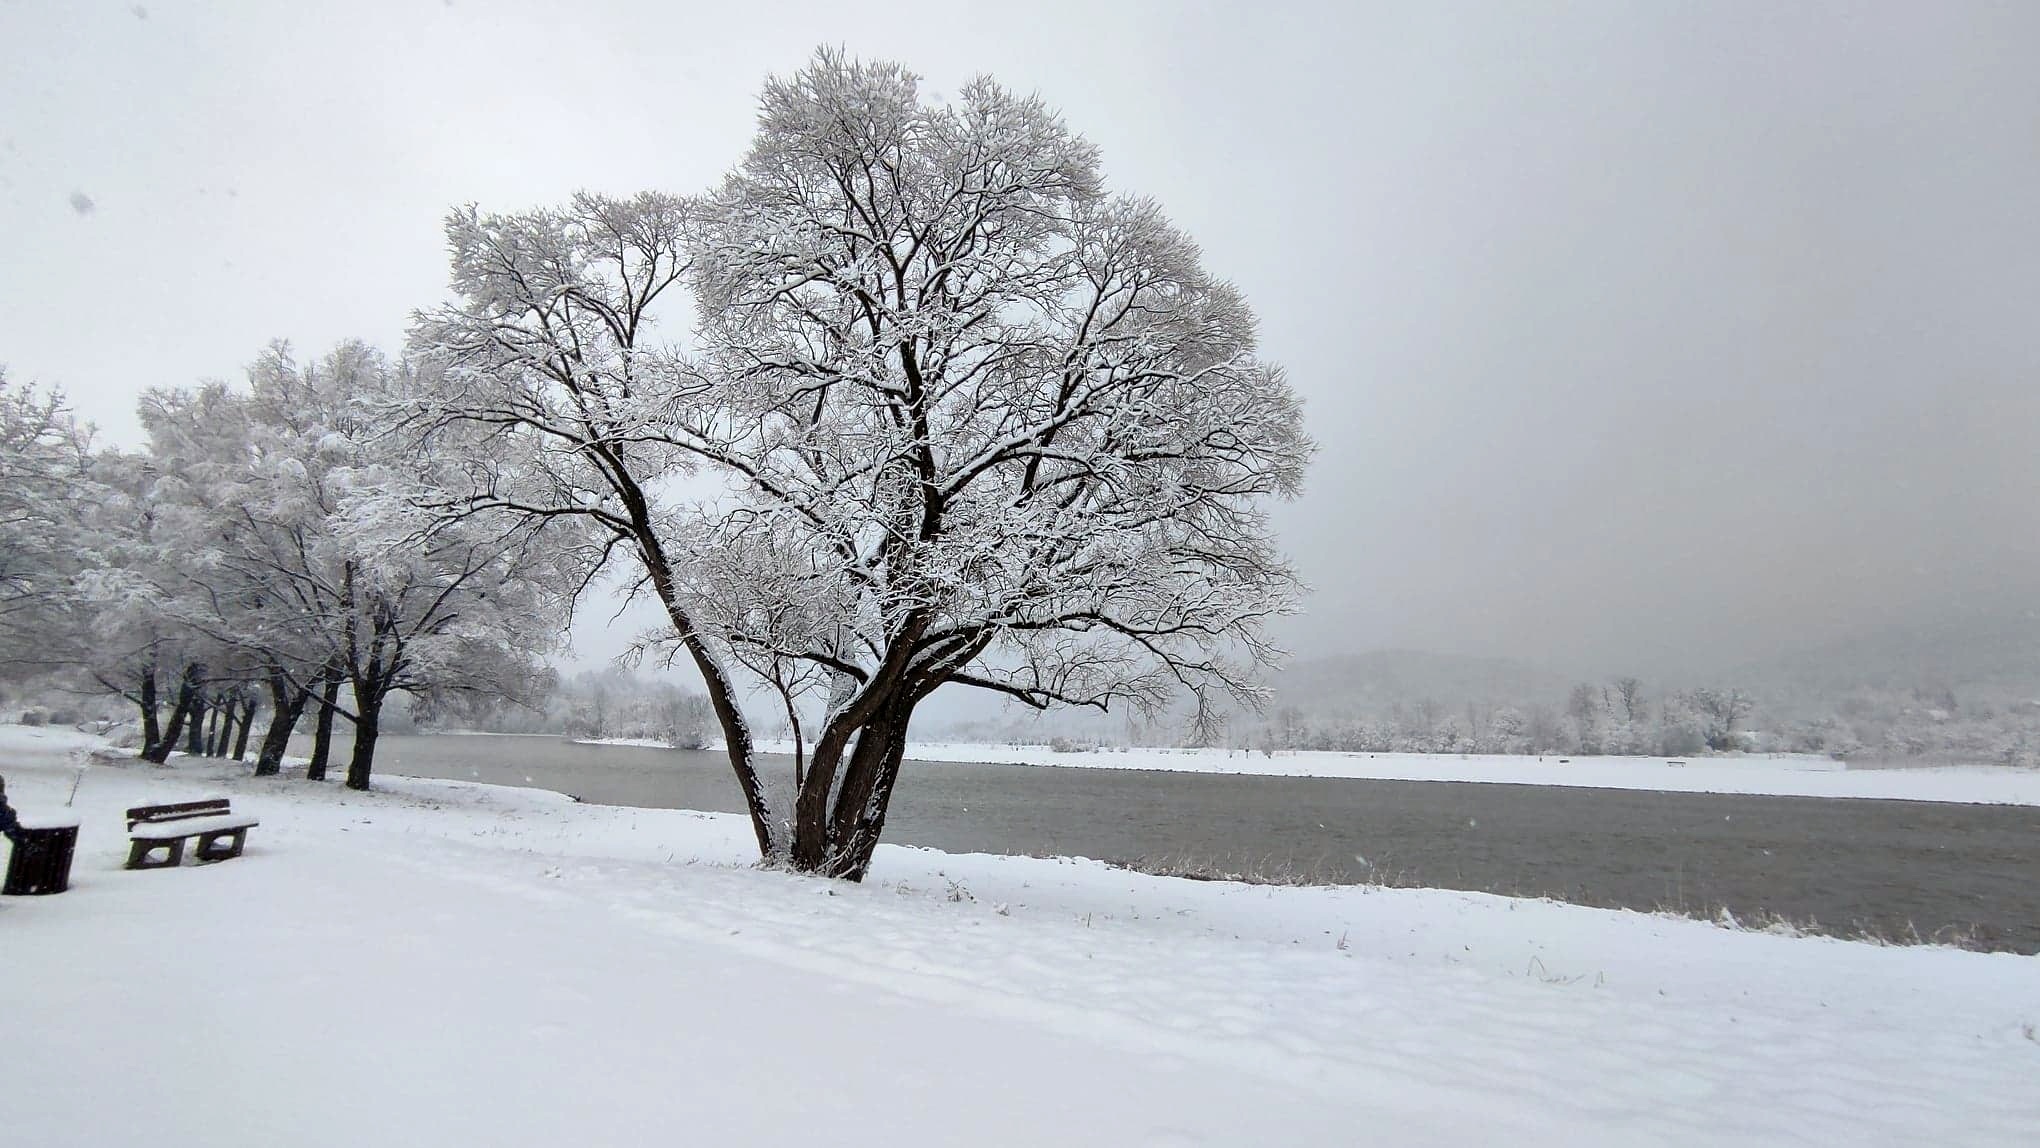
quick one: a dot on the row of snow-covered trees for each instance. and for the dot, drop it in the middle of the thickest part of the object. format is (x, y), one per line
(908, 400)
(268, 550)
(1619, 718)
(1915, 723)
(1616, 717)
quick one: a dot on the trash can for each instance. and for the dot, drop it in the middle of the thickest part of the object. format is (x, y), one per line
(40, 861)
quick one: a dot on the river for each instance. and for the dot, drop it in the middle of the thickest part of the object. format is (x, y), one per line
(1891, 868)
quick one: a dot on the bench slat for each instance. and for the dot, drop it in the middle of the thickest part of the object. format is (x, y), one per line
(146, 811)
(175, 806)
(215, 811)
(210, 807)
(172, 830)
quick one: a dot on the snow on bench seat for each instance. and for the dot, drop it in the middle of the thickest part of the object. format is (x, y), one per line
(191, 827)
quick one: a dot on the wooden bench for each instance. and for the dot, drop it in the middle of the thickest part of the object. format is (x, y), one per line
(219, 830)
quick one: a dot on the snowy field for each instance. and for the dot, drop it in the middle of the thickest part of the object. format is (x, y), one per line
(446, 963)
(1783, 775)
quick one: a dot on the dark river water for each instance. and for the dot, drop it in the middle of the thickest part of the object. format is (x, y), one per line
(1891, 868)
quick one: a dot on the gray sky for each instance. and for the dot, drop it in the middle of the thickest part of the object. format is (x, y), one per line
(1638, 335)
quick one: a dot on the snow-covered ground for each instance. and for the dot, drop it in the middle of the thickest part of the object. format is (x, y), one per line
(1783, 775)
(443, 963)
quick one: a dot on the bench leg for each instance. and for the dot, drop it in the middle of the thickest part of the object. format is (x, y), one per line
(139, 854)
(210, 849)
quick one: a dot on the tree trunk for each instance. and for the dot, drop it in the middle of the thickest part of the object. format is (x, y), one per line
(322, 731)
(241, 735)
(866, 792)
(853, 856)
(837, 839)
(721, 693)
(811, 805)
(367, 726)
(187, 696)
(286, 707)
(215, 739)
(152, 730)
(194, 728)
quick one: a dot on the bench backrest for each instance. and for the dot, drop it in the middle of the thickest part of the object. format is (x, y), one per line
(184, 810)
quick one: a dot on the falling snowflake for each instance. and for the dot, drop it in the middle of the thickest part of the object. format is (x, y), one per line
(82, 203)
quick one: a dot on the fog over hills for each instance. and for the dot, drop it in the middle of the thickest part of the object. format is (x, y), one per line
(1960, 690)
(1354, 685)
(1981, 659)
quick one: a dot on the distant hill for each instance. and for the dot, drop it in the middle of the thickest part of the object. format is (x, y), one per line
(1967, 690)
(1980, 660)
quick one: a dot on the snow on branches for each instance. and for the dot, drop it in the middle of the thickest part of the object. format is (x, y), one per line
(961, 416)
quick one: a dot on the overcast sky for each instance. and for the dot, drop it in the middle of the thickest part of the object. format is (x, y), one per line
(1637, 335)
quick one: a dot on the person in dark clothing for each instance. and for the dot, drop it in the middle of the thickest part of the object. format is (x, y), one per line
(10, 825)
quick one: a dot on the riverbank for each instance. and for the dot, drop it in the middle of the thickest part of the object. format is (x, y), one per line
(1771, 775)
(1960, 872)
(506, 966)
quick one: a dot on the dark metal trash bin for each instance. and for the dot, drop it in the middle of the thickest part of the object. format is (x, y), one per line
(40, 861)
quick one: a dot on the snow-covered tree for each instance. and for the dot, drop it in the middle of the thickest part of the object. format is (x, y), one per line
(1682, 729)
(967, 418)
(45, 480)
(1721, 711)
(1586, 710)
(1508, 731)
(280, 539)
(116, 632)
(211, 562)
(369, 585)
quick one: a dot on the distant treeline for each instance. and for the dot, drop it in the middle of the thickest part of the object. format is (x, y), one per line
(594, 704)
(1620, 718)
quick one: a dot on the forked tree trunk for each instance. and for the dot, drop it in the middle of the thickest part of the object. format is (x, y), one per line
(836, 834)
(180, 715)
(322, 731)
(160, 752)
(287, 705)
(867, 785)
